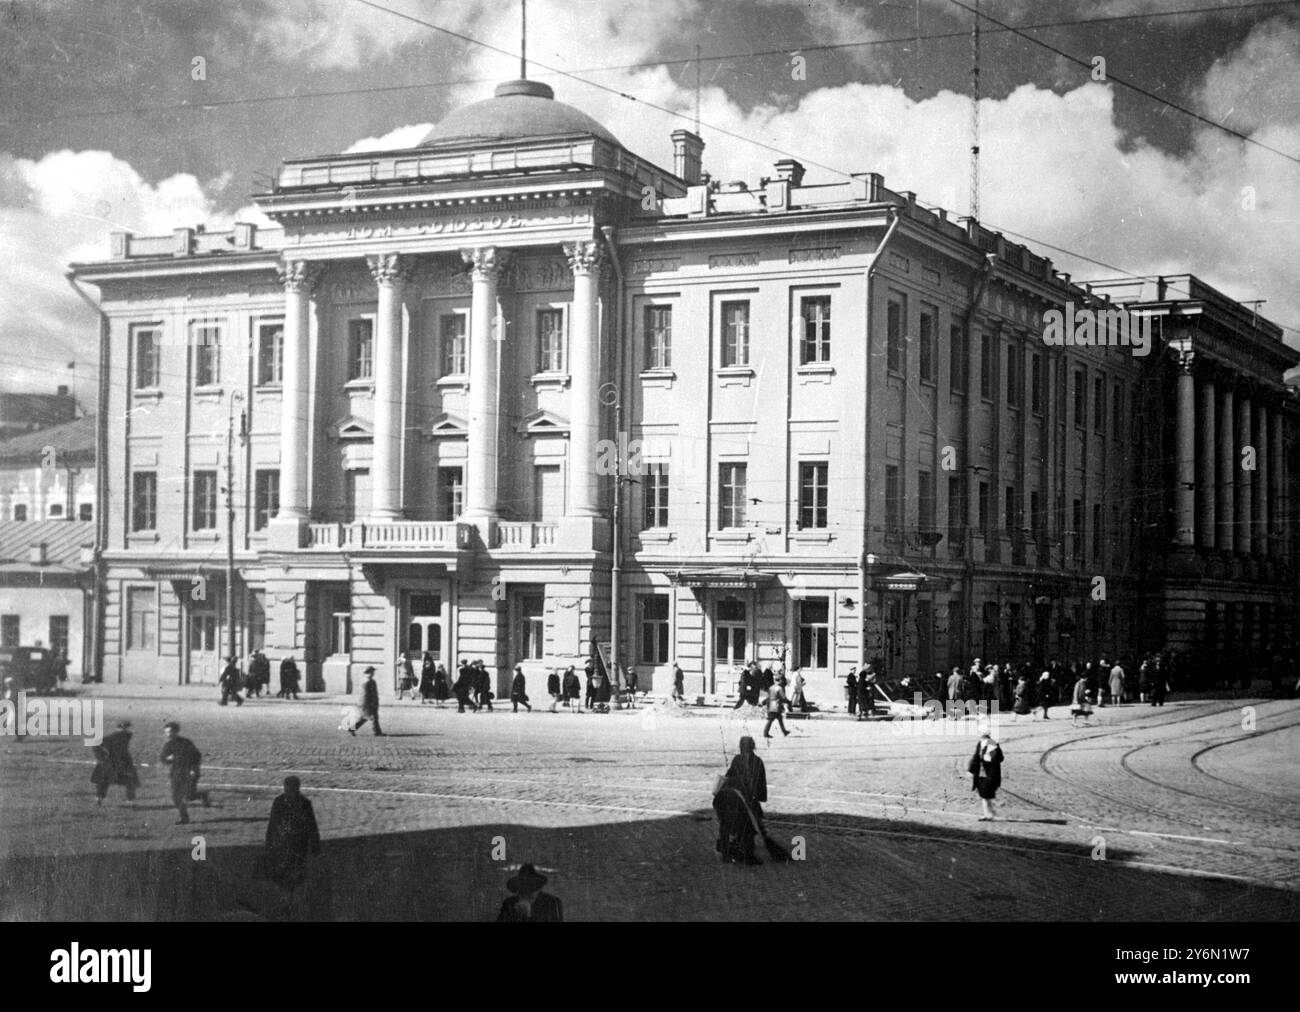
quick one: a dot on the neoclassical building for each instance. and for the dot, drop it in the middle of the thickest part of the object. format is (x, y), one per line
(833, 425)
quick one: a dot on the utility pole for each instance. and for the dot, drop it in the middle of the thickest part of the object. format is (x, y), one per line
(975, 115)
(235, 395)
(616, 567)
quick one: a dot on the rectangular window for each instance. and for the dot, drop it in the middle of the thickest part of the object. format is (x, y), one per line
(361, 349)
(141, 618)
(1099, 404)
(532, 627)
(957, 359)
(1013, 375)
(1077, 546)
(270, 353)
(9, 631)
(654, 628)
(1080, 399)
(1037, 520)
(986, 366)
(655, 484)
(735, 334)
(56, 510)
(453, 347)
(814, 634)
(548, 493)
(1010, 512)
(20, 511)
(895, 324)
(1116, 409)
(356, 494)
(813, 487)
(1098, 532)
(1036, 383)
(815, 339)
(203, 515)
(956, 511)
(451, 493)
(731, 495)
(893, 503)
(730, 633)
(985, 514)
(929, 314)
(266, 498)
(256, 620)
(925, 501)
(144, 501)
(86, 511)
(207, 354)
(658, 337)
(148, 357)
(550, 340)
(341, 633)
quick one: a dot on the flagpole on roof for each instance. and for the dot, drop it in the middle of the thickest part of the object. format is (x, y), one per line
(523, 40)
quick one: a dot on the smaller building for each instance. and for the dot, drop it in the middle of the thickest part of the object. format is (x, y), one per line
(20, 413)
(49, 474)
(47, 588)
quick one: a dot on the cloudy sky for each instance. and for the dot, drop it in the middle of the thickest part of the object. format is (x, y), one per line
(106, 124)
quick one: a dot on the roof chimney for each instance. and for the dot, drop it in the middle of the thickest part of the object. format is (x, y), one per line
(688, 154)
(788, 168)
(37, 556)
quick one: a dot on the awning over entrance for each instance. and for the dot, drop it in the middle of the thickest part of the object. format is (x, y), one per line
(183, 572)
(720, 579)
(905, 582)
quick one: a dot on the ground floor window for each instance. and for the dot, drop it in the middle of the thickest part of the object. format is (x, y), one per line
(532, 626)
(141, 618)
(654, 628)
(59, 635)
(729, 631)
(340, 623)
(256, 620)
(9, 631)
(814, 633)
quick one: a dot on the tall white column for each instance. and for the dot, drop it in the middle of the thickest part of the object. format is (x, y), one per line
(1205, 463)
(1243, 479)
(299, 279)
(1185, 486)
(1259, 520)
(584, 368)
(390, 271)
(486, 264)
(1226, 536)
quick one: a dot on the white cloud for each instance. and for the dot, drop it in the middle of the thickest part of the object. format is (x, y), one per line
(402, 137)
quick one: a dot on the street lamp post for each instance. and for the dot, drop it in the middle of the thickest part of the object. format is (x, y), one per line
(235, 395)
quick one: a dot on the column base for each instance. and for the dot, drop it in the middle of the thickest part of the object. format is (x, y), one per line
(583, 534)
(286, 534)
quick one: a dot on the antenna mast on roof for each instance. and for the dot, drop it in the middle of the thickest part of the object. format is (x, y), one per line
(523, 39)
(697, 89)
(975, 115)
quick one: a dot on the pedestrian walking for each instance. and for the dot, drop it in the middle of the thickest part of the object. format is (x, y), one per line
(1080, 706)
(406, 681)
(630, 676)
(185, 763)
(465, 688)
(229, 683)
(1117, 684)
(572, 687)
(775, 704)
(553, 689)
(288, 679)
(113, 764)
(291, 837)
(867, 692)
(679, 684)
(527, 900)
(1046, 692)
(1159, 686)
(1020, 697)
(259, 674)
(426, 679)
(956, 686)
(589, 694)
(441, 685)
(369, 705)
(986, 773)
(518, 693)
(483, 681)
(851, 690)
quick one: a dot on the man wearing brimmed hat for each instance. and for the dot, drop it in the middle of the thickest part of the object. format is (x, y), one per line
(369, 704)
(528, 902)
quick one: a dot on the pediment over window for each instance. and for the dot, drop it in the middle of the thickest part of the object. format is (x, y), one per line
(447, 424)
(353, 427)
(543, 423)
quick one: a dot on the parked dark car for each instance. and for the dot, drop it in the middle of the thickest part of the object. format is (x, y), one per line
(33, 669)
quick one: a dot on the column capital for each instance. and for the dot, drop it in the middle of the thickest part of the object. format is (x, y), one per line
(586, 257)
(391, 268)
(299, 275)
(1186, 359)
(486, 263)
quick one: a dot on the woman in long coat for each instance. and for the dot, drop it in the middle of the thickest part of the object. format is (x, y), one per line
(572, 686)
(426, 679)
(441, 688)
(1080, 706)
(1021, 705)
(986, 772)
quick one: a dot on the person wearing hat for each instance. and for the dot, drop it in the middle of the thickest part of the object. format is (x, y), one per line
(369, 705)
(1045, 692)
(528, 902)
(986, 772)
(519, 690)
(1020, 705)
(288, 679)
(114, 764)
(230, 682)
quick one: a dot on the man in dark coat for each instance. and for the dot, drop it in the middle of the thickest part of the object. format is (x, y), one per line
(464, 688)
(186, 765)
(553, 689)
(867, 692)
(735, 831)
(288, 679)
(851, 690)
(519, 690)
(484, 683)
(369, 705)
(230, 683)
(679, 683)
(631, 686)
(259, 673)
(571, 686)
(528, 903)
(291, 835)
(114, 764)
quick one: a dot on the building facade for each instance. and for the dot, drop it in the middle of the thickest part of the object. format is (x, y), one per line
(49, 474)
(826, 417)
(47, 588)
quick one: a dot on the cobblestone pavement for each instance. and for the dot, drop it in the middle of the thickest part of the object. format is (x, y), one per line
(1186, 812)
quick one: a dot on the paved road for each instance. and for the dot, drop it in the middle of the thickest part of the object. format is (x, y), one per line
(1174, 813)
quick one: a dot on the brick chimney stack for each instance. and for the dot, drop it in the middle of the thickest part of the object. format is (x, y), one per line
(688, 155)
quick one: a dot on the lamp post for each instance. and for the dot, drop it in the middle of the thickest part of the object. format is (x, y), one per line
(235, 395)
